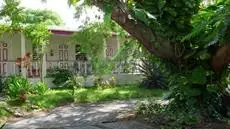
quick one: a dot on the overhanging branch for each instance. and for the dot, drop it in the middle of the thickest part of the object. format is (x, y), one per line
(137, 29)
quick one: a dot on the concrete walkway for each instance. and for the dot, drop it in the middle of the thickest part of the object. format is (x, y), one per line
(84, 116)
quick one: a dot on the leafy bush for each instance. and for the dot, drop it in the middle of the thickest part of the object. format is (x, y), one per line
(149, 108)
(40, 88)
(14, 85)
(163, 114)
(75, 82)
(153, 76)
(61, 76)
(193, 99)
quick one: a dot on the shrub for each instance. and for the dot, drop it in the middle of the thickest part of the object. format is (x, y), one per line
(1, 84)
(149, 108)
(13, 86)
(102, 83)
(75, 82)
(61, 76)
(40, 88)
(153, 76)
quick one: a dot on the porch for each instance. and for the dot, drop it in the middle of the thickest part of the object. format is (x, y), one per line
(60, 53)
(33, 71)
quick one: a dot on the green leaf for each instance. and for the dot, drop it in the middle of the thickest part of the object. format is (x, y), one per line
(198, 76)
(192, 92)
(108, 12)
(141, 15)
(212, 88)
(204, 55)
(161, 4)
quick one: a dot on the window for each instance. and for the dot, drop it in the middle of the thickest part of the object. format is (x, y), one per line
(78, 54)
(63, 52)
(35, 50)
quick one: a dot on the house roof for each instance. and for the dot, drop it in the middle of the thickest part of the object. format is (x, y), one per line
(59, 30)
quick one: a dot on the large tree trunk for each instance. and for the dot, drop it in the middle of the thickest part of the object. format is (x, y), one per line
(144, 35)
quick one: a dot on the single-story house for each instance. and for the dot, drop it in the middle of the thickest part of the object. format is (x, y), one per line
(61, 52)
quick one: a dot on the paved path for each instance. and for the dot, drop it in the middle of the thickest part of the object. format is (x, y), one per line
(84, 116)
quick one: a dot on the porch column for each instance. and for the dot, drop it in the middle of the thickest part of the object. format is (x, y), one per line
(23, 53)
(105, 46)
(43, 65)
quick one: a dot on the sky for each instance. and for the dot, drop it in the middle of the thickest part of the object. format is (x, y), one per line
(62, 8)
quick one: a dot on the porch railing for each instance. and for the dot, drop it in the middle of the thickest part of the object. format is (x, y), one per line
(78, 67)
(8, 68)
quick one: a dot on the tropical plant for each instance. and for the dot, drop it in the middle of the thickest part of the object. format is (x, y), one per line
(154, 78)
(40, 88)
(14, 86)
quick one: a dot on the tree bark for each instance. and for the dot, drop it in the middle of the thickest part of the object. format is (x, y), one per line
(144, 35)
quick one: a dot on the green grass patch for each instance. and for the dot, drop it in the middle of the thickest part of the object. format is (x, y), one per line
(93, 94)
(58, 97)
(51, 99)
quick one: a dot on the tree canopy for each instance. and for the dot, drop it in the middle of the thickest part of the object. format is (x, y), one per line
(33, 23)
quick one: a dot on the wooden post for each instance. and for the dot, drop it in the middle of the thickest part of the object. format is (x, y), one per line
(23, 53)
(43, 65)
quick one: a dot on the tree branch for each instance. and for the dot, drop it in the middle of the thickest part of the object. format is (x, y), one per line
(143, 33)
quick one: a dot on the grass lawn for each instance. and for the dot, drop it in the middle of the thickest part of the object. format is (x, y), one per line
(85, 95)
(51, 99)
(59, 97)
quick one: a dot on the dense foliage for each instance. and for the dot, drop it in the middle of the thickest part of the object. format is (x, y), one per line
(40, 88)
(61, 76)
(14, 85)
(1, 84)
(32, 22)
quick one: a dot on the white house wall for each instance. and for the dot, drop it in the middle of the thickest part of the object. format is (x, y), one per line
(14, 51)
(55, 42)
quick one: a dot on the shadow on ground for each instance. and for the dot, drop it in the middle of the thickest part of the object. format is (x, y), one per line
(83, 116)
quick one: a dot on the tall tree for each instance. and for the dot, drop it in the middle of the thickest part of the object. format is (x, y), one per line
(192, 37)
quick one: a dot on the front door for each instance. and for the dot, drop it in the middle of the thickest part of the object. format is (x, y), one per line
(3, 58)
(63, 56)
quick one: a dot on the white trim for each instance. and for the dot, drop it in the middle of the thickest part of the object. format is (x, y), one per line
(23, 52)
